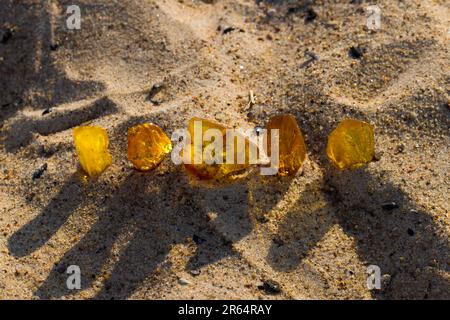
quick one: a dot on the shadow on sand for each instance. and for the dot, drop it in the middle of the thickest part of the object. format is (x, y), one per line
(158, 210)
(29, 61)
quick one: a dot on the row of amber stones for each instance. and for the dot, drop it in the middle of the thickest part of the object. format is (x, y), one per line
(350, 145)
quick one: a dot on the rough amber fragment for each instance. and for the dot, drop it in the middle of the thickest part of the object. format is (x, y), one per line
(351, 144)
(91, 145)
(147, 146)
(292, 148)
(204, 170)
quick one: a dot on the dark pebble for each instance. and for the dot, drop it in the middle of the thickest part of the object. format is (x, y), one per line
(5, 35)
(228, 30)
(47, 111)
(355, 52)
(259, 130)
(400, 148)
(197, 239)
(61, 268)
(311, 15)
(270, 287)
(389, 206)
(39, 172)
(410, 232)
(54, 46)
(157, 87)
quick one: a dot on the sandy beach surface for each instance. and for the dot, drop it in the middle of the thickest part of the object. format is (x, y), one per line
(163, 235)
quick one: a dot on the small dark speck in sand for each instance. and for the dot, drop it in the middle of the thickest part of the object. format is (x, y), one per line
(197, 239)
(47, 111)
(5, 35)
(311, 15)
(388, 206)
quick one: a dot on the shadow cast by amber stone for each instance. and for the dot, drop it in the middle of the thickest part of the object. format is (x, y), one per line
(302, 227)
(38, 231)
(403, 242)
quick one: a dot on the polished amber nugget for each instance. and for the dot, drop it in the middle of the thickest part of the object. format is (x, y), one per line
(147, 146)
(351, 144)
(207, 171)
(91, 145)
(292, 148)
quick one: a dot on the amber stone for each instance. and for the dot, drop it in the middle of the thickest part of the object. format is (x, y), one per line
(91, 144)
(292, 148)
(351, 144)
(147, 146)
(203, 170)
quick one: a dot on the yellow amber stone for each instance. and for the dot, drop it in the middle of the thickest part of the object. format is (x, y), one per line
(91, 144)
(351, 145)
(292, 148)
(147, 146)
(203, 170)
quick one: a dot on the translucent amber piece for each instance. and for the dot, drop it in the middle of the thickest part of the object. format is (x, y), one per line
(91, 145)
(292, 148)
(147, 146)
(204, 170)
(351, 144)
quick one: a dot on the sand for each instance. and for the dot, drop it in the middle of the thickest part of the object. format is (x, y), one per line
(161, 235)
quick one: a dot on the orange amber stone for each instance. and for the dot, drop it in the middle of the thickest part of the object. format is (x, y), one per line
(197, 161)
(147, 146)
(351, 145)
(91, 144)
(292, 148)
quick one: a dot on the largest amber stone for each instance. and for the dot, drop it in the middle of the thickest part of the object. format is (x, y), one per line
(91, 145)
(351, 144)
(291, 146)
(199, 144)
(147, 146)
